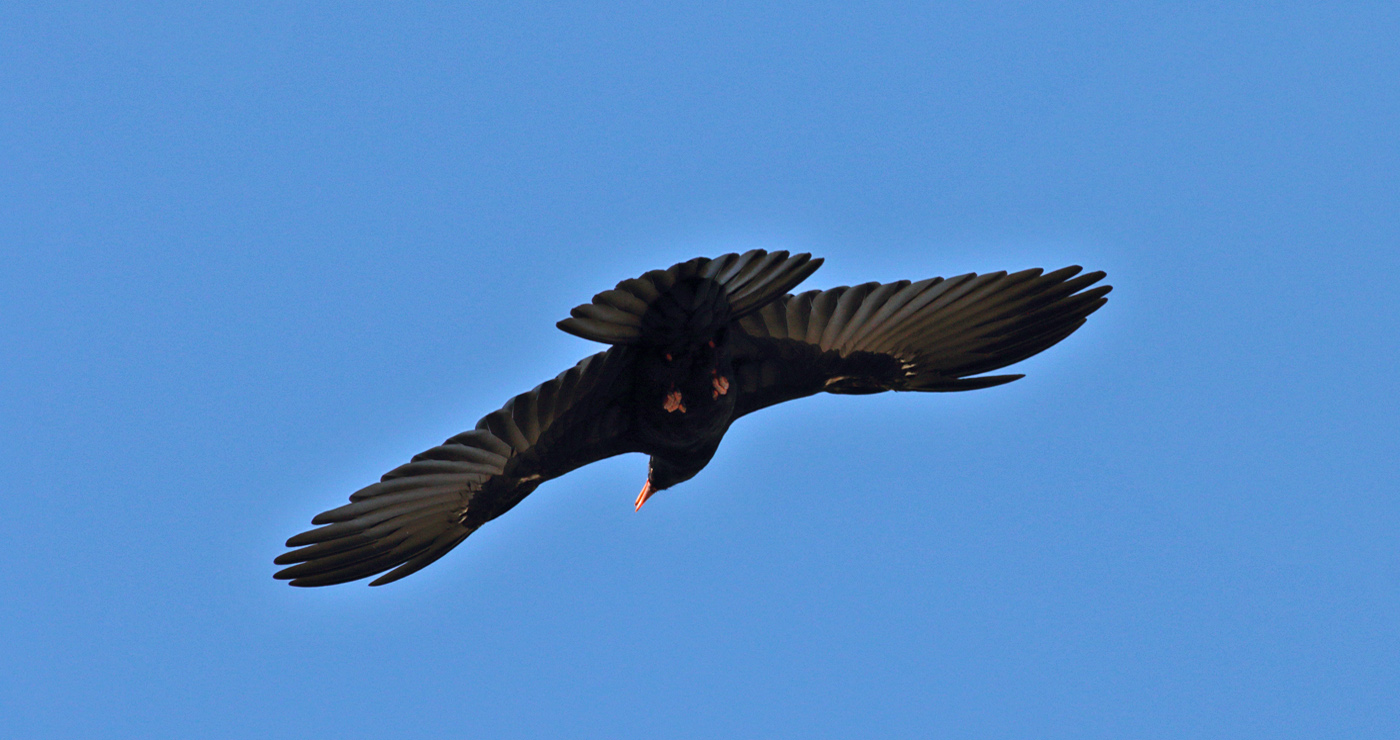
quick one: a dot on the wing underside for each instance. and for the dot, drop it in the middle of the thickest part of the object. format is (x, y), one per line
(932, 335)
(419, 511)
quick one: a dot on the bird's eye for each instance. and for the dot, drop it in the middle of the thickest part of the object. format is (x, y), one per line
(712, 344)
(667, 356)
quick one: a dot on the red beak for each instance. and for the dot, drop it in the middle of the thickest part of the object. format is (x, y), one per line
(646, 493)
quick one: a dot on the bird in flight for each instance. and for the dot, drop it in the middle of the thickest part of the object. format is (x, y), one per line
(692, 348)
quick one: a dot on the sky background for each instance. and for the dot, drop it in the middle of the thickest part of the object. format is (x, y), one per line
(254, 257)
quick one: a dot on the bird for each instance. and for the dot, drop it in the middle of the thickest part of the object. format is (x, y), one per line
(691, 349)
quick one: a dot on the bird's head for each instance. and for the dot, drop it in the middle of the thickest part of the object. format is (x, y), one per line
(662, 473)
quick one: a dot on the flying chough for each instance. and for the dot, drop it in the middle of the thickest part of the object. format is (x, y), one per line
(692, 348)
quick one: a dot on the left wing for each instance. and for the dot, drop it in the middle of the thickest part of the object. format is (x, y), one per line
(421, 510)
(933, 335)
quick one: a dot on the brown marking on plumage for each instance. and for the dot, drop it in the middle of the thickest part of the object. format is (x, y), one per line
(673, 402)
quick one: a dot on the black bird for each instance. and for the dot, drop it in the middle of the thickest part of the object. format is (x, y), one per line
(693, 348)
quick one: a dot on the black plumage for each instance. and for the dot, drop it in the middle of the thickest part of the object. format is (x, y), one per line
(693, 348)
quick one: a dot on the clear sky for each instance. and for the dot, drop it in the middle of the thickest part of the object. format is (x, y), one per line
(254, 257)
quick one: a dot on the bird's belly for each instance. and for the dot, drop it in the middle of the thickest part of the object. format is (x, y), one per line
(662, 432)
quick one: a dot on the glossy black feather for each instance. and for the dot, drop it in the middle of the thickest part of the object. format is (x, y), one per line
(425, 507)
(934, 335)
(695, 347)
(656, 307)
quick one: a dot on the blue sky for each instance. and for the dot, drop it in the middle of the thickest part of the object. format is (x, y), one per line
(256, 256)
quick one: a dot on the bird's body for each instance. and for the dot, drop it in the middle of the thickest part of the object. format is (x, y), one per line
(694, 348)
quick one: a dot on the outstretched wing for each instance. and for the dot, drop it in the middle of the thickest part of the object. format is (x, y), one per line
(422, 509)
(933, 335)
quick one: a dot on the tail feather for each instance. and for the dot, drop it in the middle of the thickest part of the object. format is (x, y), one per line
(698, 296)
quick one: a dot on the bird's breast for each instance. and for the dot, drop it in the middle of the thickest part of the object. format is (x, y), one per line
(680, 417)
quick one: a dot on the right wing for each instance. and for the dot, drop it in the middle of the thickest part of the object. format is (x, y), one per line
(423, 509)
(926, 336)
